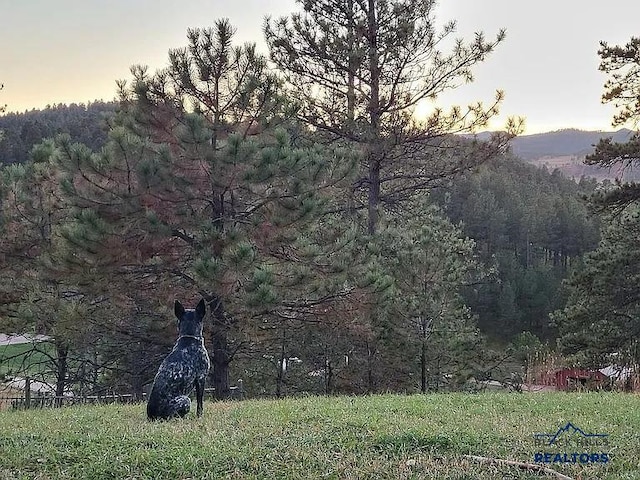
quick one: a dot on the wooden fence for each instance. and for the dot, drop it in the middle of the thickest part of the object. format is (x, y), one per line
(22, 399)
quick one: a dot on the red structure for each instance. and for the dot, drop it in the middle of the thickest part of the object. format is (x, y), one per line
(572, 378)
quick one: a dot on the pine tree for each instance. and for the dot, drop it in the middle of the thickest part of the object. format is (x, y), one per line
(622, 63)
(359, 70)
(601, 315)
(430, 263)
(200, 189)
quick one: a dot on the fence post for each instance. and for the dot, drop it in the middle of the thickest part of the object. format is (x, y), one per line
(240, 389)
(27, 392)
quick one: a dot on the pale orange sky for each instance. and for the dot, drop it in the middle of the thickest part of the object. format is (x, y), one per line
(67, 51)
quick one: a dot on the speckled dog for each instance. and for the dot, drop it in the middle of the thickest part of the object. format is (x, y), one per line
(184, 368)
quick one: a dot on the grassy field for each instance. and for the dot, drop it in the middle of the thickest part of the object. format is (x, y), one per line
(373, 437)
(20, 359)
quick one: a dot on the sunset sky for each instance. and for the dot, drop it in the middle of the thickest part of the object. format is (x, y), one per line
(67, 51)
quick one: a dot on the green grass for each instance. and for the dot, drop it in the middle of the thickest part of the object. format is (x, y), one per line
(377, 437)
(22, 360)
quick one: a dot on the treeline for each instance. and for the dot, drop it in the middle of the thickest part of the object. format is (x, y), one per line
(86, 124)
(528, 223)
(341, 244)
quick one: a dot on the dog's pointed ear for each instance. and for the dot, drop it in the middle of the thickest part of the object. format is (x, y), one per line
(178, 309)
(201, 309)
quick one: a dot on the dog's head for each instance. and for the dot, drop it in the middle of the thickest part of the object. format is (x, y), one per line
(190, 320)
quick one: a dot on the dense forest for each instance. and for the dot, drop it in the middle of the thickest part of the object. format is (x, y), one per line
(532, 226)
(86, 124)
(341, 244)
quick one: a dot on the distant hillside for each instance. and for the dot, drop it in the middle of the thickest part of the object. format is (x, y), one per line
(565, 150)
(84, 123)
(568, 142)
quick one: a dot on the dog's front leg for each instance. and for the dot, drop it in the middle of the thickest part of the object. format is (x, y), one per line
(199, 395)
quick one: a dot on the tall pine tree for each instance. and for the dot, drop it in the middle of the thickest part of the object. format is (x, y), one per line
(359, 69)
(193, 188)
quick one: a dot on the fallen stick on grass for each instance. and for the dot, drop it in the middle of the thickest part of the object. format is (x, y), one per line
(528, 466)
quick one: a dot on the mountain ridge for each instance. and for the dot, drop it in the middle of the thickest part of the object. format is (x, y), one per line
(565, 150)
(566, 141)
(569, 141)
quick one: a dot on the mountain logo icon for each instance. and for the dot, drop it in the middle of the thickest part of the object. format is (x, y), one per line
(568, 432)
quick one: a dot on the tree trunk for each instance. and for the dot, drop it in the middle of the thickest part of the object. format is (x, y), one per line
(374, 195)
(27, 393)
(62, 352)
(423, 367)
(374, 154)
(220, 355)
(351, 74)
(370, 377)
(328, 376)
(137, 385)
(220, 360)
(425, 327)
(282, 363)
